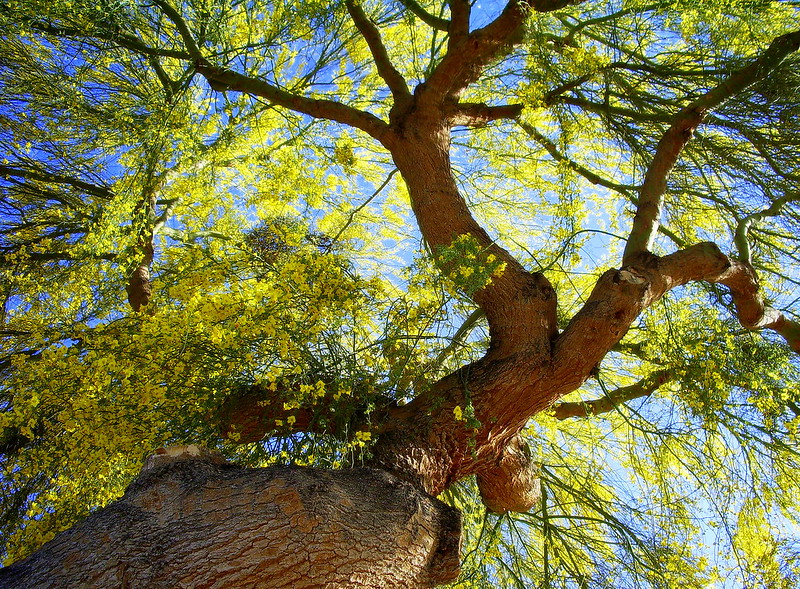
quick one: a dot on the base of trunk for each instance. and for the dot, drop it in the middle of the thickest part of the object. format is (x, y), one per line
(191, 521)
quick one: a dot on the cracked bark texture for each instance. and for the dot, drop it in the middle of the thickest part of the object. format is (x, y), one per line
(192, 520)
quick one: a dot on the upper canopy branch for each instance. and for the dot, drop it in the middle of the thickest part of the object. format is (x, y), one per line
(38, 174)
(119, 38)
(740, 238)
(648, 212)
(386, 70)
(225, 79)
(432, 21)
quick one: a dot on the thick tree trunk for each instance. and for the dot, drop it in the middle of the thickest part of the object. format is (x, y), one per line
(193, 520)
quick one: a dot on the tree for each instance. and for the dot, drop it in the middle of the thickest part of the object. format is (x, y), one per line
(209, 235)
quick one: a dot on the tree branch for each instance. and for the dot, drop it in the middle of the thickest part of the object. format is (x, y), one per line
(740, 238)
(225, 79)
(45, 176)
(426, 17)
(183, 29)
(116, 37)
(458, 31)
(479, 114)
(648, 213)
(394, 80)
(559, 157)
(621, 295)
(612, 400)
(463, 64)
(751, 311)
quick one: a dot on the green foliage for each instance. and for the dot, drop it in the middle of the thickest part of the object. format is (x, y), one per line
(286, 257)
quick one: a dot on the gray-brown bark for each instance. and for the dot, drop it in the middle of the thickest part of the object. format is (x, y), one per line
(192, 520)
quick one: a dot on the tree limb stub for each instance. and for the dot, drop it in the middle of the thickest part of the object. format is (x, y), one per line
(283, 526)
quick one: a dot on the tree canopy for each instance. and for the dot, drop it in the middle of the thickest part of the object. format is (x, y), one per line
(564, 233)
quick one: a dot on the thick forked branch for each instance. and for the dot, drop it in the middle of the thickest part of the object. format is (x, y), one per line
(394, 80)
(468, 54)
(643, 388)
(463, 63)
(648, 213)
(621, 295)
(751, 311)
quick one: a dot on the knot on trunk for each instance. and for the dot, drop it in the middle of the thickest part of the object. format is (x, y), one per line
(512, 482)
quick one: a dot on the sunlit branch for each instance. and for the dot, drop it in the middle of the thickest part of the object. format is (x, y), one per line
(116, 37)
(751, 311)
(608, 109)
(360, 207)
(169, 85)
(740, 238)
(613, 399)
(458, 337)
(575, 166)
(426, 17)
(58, 256)
(463, 65)
(477, 115)
(386, 70)
(603, 19)
(620, 296)
(225, 79)
(183, 29)
(222, 79)
(648, 213)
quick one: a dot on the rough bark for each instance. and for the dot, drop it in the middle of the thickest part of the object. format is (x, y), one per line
(193, 520)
